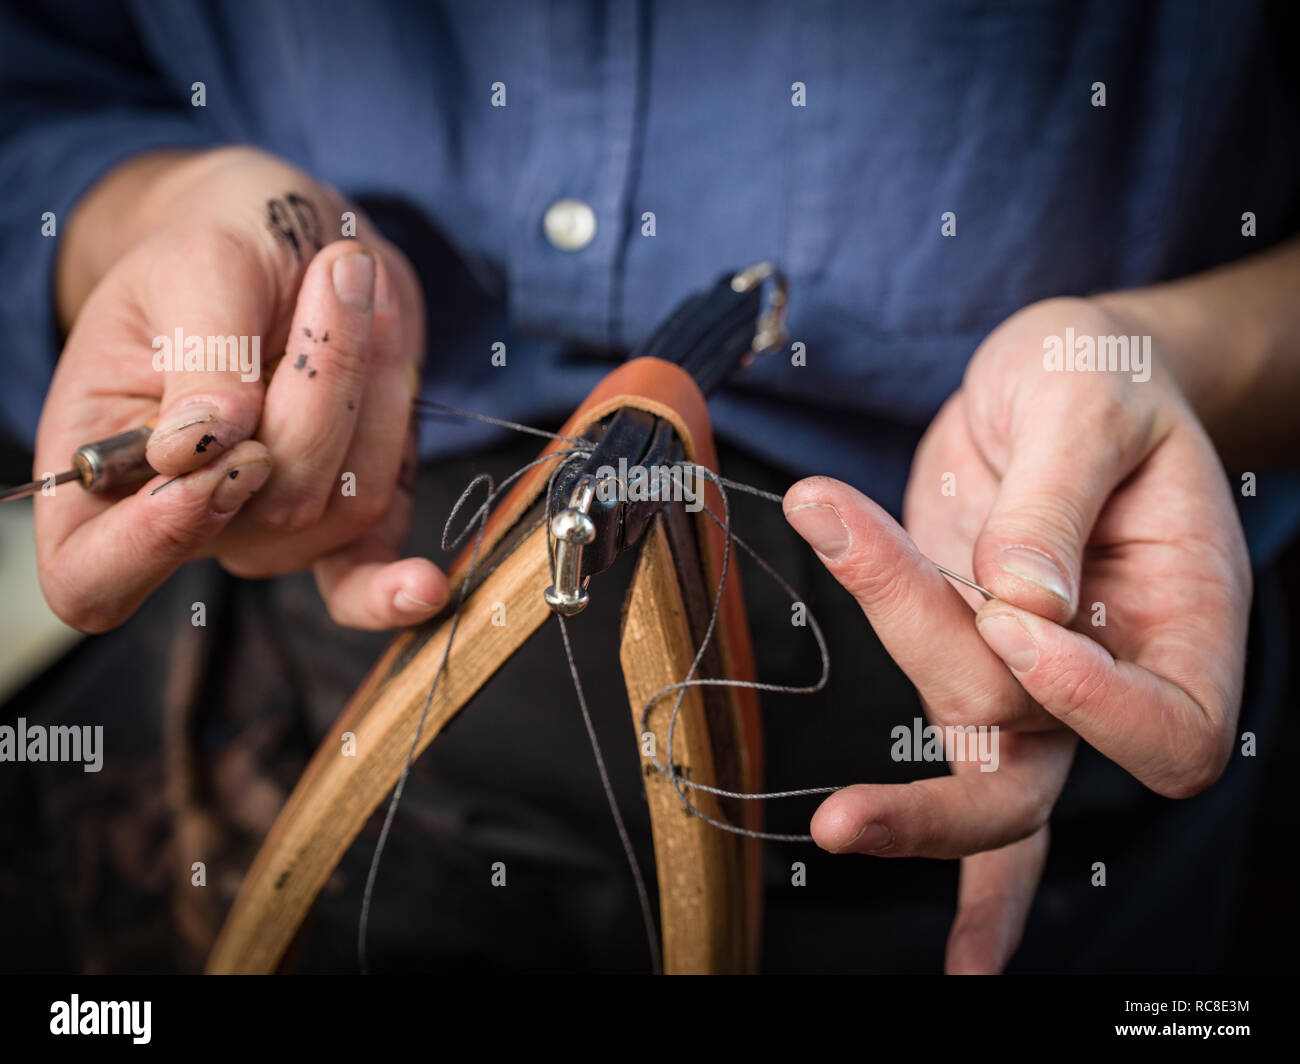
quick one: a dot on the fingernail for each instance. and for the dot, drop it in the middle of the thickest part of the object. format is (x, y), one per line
(823, 528)
(1010, 640)
(873, 838)
(354, 280)
(183, 417)
(406, 603)
(237, 484)
(1036, 567)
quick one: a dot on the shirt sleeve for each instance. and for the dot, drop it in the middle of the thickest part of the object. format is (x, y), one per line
(78, 96)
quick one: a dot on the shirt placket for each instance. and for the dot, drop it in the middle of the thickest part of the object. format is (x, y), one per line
(571, 215)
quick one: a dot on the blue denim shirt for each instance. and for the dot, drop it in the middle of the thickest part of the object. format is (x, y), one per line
(687, 109)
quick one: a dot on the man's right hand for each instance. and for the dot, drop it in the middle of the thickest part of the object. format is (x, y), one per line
(229, 243)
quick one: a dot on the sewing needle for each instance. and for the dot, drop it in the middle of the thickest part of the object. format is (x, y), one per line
(962, 580)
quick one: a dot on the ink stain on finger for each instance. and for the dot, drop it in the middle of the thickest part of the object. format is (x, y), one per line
(234, 474)
(302, 361)
(326, 338)
(202, 446)
(352, 405)
(311, 373)
(306, 332)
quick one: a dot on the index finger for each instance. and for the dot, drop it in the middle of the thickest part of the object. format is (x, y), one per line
(923, 623)
(208, 305)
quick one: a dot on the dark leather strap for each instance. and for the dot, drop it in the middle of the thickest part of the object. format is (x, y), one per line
(709, 335)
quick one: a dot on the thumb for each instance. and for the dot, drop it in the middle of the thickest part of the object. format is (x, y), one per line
(1062, 468)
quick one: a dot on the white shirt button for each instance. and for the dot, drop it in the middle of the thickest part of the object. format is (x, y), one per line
(570, 224)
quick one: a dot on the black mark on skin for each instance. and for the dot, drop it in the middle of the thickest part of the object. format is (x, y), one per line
(308, 220)
(326, 338)
(234, 474)
(202, 445)
(277, 220)
(294, 221)
(311, 373)
(352, 404)
(302, 361)
(306, 332)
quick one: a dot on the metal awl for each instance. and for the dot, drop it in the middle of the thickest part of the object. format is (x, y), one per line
(105, 465)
